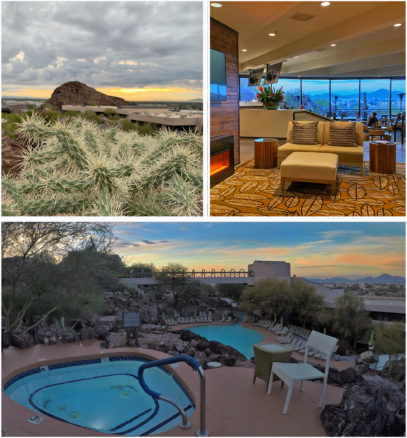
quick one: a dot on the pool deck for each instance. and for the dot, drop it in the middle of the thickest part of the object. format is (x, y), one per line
(235, 406)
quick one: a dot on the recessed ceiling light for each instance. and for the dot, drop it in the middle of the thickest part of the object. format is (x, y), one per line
(333, 45)
(216, 5)
(244, 50)
(324, 4)
(272, 34)
(397, 25)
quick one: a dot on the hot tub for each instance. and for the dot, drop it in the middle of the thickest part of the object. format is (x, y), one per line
(103, 395)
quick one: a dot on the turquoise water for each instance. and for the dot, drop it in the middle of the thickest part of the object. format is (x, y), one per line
(236, 336)
(103, 396)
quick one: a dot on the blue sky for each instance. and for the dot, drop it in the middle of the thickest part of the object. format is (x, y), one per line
(314, 249)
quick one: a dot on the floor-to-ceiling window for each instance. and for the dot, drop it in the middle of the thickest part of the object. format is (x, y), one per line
(315, 95)
(398, 97)
(375, 97)
(345, 98)
(351, 98)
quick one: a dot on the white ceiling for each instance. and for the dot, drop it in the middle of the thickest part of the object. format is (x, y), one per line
(367, 43)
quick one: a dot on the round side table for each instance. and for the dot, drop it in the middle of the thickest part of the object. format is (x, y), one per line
(265, 153)
(382, 156)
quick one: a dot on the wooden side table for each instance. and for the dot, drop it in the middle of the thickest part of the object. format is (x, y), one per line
(382, 157)
(265, 153)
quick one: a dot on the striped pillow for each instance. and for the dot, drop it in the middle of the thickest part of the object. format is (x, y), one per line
(342, 134)
(304, 133)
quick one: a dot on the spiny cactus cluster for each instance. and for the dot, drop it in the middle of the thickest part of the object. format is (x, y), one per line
(73, 167)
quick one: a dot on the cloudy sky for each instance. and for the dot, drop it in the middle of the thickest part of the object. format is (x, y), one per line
(138, 50)
(314, 249)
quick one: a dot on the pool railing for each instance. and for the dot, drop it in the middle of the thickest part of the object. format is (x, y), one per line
(195, 365)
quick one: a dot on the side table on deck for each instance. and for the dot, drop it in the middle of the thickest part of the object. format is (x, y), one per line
(265, 153)
(382, 157)
(265, 353)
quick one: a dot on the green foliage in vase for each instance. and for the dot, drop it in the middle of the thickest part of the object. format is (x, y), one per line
(73, 167)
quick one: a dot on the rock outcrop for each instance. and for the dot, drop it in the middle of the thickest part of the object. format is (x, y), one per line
(375, 407)
(77, 93)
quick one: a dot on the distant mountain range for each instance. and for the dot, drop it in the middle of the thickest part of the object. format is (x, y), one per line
(381, 279)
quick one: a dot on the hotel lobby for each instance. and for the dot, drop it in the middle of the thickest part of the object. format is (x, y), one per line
(331, 141)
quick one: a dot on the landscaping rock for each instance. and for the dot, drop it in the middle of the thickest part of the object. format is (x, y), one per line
(21, 340)
(367, 357)
(116, 340)
(228, 360)
(88, 333)
(344, 378)
(376, 407)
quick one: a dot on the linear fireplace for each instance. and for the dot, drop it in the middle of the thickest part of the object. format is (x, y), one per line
(222, 158)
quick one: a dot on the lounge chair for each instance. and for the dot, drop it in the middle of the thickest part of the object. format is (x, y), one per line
(291, 372)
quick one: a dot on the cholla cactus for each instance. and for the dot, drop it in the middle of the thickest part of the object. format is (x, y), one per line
(73, 167)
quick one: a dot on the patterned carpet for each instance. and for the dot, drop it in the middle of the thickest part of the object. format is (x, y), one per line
(257, 192)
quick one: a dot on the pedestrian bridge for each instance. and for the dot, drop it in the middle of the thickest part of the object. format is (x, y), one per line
(208, 277)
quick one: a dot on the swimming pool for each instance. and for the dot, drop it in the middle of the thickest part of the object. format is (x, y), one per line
(240, 338)
(104, 395)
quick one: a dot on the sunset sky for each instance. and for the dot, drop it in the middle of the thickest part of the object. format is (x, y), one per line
(314, 249)
(137, 50)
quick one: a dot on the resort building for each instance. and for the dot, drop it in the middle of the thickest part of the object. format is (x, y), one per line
(341, 66)
(380, 308)
(161, 116)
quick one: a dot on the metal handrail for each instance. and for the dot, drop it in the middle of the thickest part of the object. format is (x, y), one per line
(193, 363)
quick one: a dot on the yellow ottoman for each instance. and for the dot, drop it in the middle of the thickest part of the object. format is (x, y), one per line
(311, 167)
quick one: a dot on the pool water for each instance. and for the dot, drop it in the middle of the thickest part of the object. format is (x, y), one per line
(103, 396)
(240, 338)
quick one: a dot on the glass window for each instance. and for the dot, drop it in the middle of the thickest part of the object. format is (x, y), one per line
(291, 89)
(398, 86)
(315, 95)
(375, 97)
(247, 94)
(345, 98)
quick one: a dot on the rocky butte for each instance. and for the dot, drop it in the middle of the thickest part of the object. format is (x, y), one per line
(77, 93)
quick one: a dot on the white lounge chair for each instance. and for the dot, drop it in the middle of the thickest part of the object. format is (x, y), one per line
(291, 372)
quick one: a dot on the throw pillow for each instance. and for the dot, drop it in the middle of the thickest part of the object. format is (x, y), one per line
(304, 133)
(342, 134)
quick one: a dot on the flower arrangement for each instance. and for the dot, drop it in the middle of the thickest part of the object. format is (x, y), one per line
(268, 96)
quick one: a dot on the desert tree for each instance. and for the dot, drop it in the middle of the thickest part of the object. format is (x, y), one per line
(34, 258)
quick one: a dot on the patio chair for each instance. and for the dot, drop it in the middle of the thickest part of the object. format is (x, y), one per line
(291, 372)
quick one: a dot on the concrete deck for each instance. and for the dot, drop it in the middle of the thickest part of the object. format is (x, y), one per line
(235, 406)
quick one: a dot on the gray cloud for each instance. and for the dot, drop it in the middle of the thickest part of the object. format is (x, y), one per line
(104, 44)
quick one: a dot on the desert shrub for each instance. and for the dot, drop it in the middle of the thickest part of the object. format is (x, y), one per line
(10, 124)
(145, 129)
(114, 117)
(91, 116)
(73, 167)
(72, 113)
(110, 112)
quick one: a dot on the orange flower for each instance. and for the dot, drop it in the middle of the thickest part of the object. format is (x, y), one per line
(260, 89)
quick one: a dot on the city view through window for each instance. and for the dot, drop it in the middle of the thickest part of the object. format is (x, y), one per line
(348, 98)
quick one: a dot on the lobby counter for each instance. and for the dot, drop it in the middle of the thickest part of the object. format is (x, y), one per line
(259, 122)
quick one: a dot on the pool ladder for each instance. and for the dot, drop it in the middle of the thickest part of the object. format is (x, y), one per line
(193, 363)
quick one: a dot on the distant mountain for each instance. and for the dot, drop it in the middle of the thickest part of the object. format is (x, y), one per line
(195, 100)
(77, 93)
(381, 279)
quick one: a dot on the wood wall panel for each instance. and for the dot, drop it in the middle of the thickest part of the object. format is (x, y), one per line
(225, 114)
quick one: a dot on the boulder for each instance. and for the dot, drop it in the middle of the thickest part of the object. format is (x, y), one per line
(367, 357)
(77, 93)
(344, 378)
(228, 360)
(116, 340)
(21, 340)
(88, 333)
(200, 356)
(11, 153)
(375, 407)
